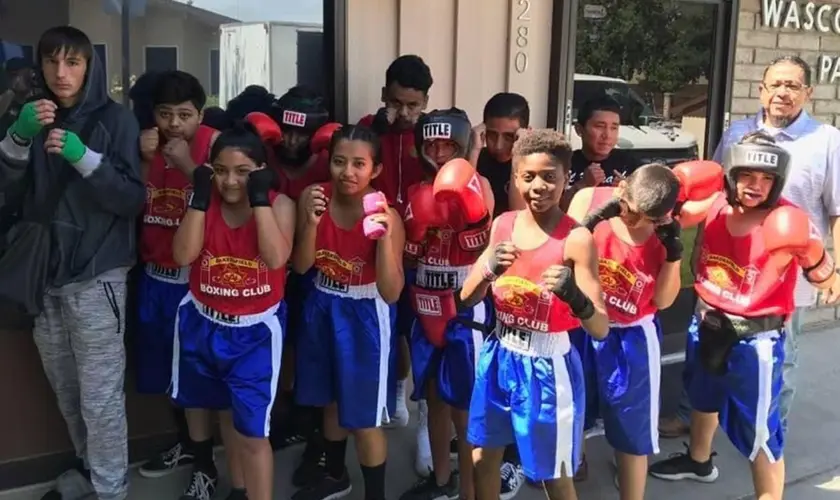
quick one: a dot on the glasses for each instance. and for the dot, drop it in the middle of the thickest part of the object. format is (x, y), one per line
(792, 87)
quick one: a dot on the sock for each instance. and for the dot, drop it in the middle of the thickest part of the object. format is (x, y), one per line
(335, 452)
(237, 494)
(203, 451)
(511, 454)
(181, 425)
(374, 482)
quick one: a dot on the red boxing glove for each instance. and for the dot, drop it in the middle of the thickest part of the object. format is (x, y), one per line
(458, 182)
(699, 179)
(267, 128)
(322, 137)
(421, 212)
(787, 229)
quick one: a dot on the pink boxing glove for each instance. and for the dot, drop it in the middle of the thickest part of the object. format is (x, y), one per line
(373, 230)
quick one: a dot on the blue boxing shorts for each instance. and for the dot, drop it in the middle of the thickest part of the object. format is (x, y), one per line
(346, 355)
(298, 288)
(451, 367)
(582, 341)
(747, 396)
(159, 294)
(405, 310)
(628, 376)
(529, 391)
(226, 362)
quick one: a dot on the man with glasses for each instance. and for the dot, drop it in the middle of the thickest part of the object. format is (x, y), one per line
(813, 184)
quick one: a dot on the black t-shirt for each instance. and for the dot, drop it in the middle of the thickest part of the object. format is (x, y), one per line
(617, 162)
(498, 174)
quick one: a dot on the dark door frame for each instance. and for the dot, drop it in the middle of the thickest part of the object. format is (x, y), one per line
(335, 58)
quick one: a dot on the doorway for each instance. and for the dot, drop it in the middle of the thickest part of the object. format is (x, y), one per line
(667, 63)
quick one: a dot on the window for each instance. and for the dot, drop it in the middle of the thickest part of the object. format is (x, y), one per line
(102, 52)
(214, 72)
(11, 50)
(161, 58)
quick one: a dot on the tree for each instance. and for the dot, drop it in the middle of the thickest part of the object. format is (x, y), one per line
(662, 43)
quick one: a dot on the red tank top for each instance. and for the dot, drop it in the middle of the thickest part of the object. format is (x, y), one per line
(450, 251)
(345, 259)
(520, 300)
(734, 274)
(167, 192)
(316, 173)
(627, 272)
(229, 276)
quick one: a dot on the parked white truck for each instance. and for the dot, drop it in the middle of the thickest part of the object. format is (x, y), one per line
(651, 139)
(275, 55)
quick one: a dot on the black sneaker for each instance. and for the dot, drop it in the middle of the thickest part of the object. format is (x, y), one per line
(283, 439)
(428, 489)
(202, 486)
(167, 462)
(512, 479)
(327, 488)
(681, 466)
(237, 494)
(311, 468)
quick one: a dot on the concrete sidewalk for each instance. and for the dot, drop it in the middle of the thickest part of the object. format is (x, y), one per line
(813, 449)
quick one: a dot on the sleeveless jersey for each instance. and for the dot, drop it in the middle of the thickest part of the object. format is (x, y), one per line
(317, 172)
(734, 274)
(450, 251)
(344, 258)
(627, 272)
(167, 194)
(520, 300)
(229, 276)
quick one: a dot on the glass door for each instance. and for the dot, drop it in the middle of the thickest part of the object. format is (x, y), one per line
(666, 63)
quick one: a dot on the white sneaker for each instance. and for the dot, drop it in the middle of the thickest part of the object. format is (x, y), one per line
(400, 416)
(423, 458)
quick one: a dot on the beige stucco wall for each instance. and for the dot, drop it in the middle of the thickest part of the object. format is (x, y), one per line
(475, 48)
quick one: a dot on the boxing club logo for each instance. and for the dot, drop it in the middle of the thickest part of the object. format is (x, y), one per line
(437, 131)
(294, 118)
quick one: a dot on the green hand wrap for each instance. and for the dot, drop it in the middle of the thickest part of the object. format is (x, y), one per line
(27, 125)
(74, 149)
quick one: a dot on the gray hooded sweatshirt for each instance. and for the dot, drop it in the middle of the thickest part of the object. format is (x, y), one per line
(94, 232)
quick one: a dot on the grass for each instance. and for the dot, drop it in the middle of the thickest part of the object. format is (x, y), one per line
(686, 276)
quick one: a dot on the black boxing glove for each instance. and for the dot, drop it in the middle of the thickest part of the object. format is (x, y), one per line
(669, 235)
(202, 188)
(607, 211)
(380, 123)
(567, 290)
(259, 185)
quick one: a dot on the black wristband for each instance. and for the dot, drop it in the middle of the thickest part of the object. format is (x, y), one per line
(673, 251)
(585, 310)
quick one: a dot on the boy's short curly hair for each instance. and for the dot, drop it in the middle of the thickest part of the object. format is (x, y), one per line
(544, 140)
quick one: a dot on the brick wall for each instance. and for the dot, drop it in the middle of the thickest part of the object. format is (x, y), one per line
(756, 46)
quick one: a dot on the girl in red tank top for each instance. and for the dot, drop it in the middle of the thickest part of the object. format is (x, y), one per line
(541, 269)
(354, 241)
(639, 270)
(237, 236)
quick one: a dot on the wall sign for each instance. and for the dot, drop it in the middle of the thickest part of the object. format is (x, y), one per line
(809, 17)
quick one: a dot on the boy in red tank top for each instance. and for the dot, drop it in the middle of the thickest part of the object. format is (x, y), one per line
(170, 151)
(541, 269)
(346, 351)
(753, 245)
(639, 269)
(237, 237)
